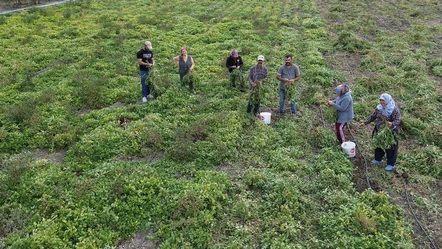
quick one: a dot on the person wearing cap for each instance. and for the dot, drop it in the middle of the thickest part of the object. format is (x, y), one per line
(146, 60)
(287, 75)
(234, 62)
(385, 113)
(185, 64)
(344, 106)
(257, 74)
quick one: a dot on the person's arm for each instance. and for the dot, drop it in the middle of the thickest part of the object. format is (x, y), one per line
(140, 62)
(372, 117)
(153, 61)
(396, 115)
(343, 105)
(297, 75)
(230, 63)
(193, 64)
(280, 78)
(369, 119)
(251, 76)
(176, 59)
(241, 63)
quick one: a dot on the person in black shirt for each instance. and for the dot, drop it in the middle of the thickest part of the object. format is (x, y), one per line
(146, 61)
(234, 62)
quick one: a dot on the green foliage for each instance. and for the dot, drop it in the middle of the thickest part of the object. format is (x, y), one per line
(189, 78)
(256, 93)
(158, 83)
(348, 41)
(384, 138)
(425, 162)
(88, 90)
(237, 79)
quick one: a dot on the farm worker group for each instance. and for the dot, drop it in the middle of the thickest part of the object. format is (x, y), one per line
(385, 113)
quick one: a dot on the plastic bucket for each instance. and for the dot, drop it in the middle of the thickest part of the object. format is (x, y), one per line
(349, 148)
(265, 117)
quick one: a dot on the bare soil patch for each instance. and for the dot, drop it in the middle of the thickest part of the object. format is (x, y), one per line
(57, 157)
(12, 7)
(140, 241)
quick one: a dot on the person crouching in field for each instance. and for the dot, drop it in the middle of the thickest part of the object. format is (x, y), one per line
(344, 106)
(388, 117)
(185, 65)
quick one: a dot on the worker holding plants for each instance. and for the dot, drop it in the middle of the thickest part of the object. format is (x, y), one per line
(344, 106)
(257, 75)
(385, 131)
(185, 65)
(146, 61)
(288, 74)
(234, 63)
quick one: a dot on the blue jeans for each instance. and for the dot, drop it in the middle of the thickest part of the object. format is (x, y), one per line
(282, 94)
(145, 90)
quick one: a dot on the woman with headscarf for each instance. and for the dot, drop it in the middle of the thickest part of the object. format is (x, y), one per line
(234, 62)
(185, 65)
(344, 105)
(385, 113)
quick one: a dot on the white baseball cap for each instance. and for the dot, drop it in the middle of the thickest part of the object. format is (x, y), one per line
(261, 57)
(148, 44)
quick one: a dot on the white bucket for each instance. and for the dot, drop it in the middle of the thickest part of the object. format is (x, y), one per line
(349, 148)
(265, 117)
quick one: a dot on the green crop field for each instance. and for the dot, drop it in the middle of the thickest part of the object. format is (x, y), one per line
(85, 164)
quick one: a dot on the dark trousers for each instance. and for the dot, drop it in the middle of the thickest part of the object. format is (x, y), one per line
(190, 84)
(391, 154)
(255, 108)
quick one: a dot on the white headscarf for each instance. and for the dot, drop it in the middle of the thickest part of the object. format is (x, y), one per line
(390, 104)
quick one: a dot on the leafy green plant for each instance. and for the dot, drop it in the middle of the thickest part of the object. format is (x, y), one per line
(237, 79)
(348, 41)
(384, 138)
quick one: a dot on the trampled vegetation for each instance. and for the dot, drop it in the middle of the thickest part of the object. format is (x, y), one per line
(195, 171)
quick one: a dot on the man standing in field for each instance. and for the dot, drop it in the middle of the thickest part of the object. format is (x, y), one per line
(146, 61)
(288, 74)
(257, 74)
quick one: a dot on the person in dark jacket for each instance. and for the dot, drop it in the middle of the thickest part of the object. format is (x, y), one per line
(344, 105)
(234, 62)
(386, 112)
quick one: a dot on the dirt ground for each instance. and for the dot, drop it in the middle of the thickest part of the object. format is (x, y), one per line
(11, 7)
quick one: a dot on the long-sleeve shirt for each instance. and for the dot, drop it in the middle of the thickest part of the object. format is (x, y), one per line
(344, 106)
(395, 118)
(257, 73)
(232, 62)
